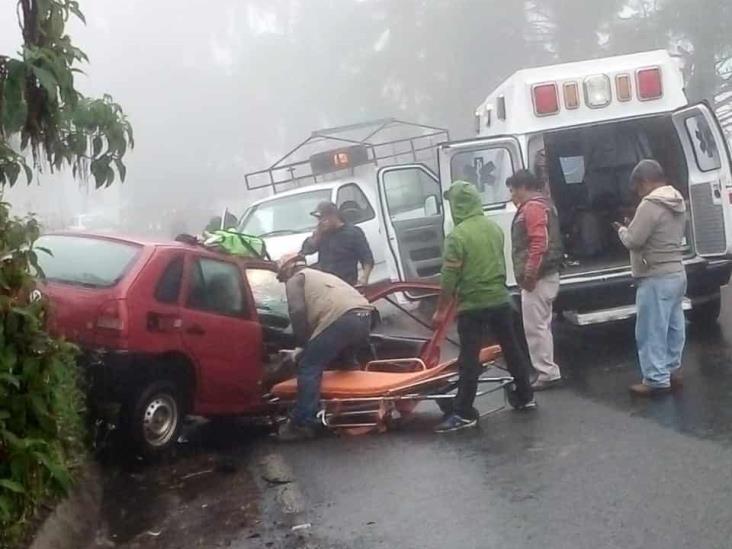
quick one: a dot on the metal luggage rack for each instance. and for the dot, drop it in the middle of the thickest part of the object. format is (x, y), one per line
(415, 144)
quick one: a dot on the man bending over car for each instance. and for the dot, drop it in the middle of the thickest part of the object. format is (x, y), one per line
(330, 319)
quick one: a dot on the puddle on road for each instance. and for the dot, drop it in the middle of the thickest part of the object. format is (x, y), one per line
(204, 496)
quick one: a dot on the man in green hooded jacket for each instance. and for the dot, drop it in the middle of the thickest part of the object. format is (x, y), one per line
(474, 272)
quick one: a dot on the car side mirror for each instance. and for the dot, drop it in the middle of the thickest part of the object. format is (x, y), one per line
(431, 206)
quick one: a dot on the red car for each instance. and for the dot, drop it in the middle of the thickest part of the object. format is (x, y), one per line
(166, 329)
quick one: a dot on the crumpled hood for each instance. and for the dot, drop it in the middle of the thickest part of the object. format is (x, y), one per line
(669, 197)
(465, 202)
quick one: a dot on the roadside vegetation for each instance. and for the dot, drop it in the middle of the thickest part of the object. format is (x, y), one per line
(45, 123)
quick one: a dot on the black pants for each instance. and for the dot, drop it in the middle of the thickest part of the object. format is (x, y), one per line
(472, 329)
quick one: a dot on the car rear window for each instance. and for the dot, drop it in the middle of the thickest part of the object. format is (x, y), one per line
(92, 262)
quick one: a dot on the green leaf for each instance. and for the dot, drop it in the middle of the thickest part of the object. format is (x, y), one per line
(28, 173)
(47, 80)
(96, 146)
(11, 485)
(56, 469)
(74, 8)
(121, 169)
(4, 508)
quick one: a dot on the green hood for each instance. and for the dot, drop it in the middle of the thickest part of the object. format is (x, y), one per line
(464, 201)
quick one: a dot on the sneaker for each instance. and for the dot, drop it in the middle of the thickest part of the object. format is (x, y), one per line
(293, 432)
(546, 384)
(455, 423)
(530, 405)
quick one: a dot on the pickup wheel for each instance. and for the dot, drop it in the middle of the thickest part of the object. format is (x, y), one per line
(707, 313)
(155, 417)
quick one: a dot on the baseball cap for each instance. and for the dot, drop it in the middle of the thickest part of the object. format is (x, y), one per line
(325, 209)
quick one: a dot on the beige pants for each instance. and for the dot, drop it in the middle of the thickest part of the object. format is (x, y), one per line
(536, 309)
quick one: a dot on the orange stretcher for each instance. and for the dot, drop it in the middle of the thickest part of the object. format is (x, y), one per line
(384, 391)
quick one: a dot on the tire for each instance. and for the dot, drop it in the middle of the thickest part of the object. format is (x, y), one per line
(154, 418)
(707, 313)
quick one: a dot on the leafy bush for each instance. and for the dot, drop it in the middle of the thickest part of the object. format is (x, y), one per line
(41, 427)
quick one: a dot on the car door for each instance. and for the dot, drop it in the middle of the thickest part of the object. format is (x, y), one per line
(412, 213)
(486, 163)
(710, 179)
(220, 330)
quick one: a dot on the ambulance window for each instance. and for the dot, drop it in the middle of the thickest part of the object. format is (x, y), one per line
(409, 193)
(353, 204)
(702, 139)
(573, 169)
(488, 170)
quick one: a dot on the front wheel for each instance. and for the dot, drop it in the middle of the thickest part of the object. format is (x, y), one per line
(706, 313)
(154, 417)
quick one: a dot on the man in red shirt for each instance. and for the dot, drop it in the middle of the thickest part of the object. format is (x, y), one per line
(537, 260)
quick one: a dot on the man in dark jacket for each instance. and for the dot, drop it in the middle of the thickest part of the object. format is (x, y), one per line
(654, 238)
(340, 246)
(474, 273)
(537, 259)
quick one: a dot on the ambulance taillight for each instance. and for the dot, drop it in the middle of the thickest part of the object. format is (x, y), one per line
(546, 99)
(649, 83)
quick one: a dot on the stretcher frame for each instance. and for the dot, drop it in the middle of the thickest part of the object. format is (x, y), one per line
(379, 412)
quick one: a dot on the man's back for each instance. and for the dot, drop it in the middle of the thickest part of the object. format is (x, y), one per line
(483, 280)
(474, 264)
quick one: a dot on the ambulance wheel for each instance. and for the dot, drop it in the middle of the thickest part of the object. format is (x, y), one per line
(707, 313)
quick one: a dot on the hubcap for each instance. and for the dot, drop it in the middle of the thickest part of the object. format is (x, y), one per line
(160, 420)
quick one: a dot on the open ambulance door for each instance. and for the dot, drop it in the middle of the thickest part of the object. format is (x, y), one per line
(487, 163)
(710, 179)
(411, 206)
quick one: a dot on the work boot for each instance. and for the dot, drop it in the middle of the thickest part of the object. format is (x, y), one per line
(643, 390)
(677, 380)
(294, 432)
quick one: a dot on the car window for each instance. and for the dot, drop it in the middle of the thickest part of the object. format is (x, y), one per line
(89, 262)
(408, 193)
(353, 204)
(216, 287)
(488, 170)
(167, 289)
(702, 139)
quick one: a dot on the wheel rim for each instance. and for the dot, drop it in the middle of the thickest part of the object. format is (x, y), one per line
(160, 420)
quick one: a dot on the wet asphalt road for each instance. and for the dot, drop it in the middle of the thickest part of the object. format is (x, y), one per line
(592, 467)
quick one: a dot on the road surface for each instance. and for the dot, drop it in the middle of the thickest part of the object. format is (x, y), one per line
(591, 468)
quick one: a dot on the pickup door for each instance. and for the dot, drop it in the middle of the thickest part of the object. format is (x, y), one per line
(710, 180)
(220, 330)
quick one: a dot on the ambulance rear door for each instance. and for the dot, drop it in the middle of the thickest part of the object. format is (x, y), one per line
(710, 179)
(487, 163)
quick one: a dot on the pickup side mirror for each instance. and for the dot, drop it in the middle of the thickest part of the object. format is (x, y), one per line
(432, 206)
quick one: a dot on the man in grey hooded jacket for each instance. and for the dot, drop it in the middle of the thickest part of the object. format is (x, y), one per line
(654, 238)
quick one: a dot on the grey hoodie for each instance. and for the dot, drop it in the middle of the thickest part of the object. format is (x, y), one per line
(655, 235)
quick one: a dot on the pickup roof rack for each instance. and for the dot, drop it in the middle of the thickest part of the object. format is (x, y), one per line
(387, 139)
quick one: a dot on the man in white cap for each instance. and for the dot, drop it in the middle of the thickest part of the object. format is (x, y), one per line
(329, 319)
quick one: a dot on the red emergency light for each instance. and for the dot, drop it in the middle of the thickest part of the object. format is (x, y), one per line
(649, 83)
(546, 99)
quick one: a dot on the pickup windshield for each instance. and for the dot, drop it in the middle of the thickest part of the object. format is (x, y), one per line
(282, 216)
(88, 262)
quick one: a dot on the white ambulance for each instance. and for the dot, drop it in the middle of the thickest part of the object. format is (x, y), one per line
(589, 123)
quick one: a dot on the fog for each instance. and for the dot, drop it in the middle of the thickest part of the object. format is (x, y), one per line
(216, 89)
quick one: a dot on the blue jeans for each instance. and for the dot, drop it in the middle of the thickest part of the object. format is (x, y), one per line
(349, 332)
(660, 327)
